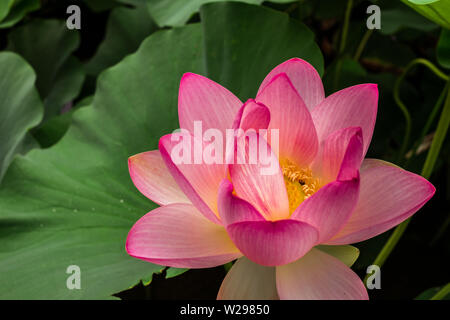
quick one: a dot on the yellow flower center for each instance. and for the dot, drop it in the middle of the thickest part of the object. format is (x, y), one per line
(300, 183)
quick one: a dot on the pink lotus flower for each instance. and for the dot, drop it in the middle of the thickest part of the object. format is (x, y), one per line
(289, 230)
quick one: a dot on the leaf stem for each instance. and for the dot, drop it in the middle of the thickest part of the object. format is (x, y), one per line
(429, 122)
(441, 294)
(401, 105)
(438, 140)
(362, 44)
(348, 11)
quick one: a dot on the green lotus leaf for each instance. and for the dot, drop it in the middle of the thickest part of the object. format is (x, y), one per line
(20, 107)
(437, 11)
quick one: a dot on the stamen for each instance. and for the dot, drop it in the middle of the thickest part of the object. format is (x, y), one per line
(300, 183)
